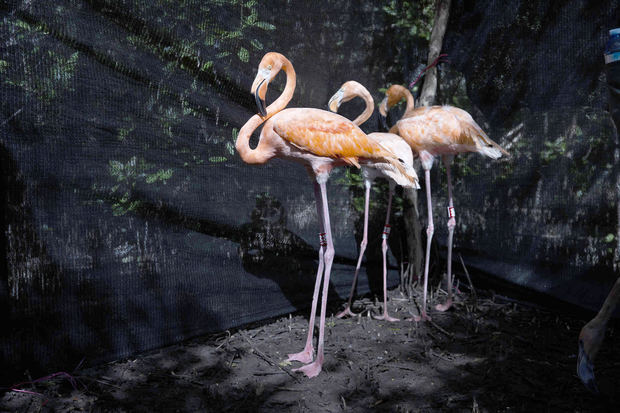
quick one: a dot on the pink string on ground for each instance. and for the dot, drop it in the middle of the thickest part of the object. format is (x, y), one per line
(63, 374)
(439, 59)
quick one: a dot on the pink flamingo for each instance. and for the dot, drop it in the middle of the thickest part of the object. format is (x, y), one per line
(397, 145)
(433, 131)
(591, 338)
(320, 140)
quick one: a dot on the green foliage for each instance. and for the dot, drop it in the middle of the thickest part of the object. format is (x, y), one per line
(44, 85)
(414, 17)
(127, 175)
(553, 149)
(125, 132)
(463, 167)
(124, 205)
(237, 40)
(351, 178)
(244, 55)
(265, 26)
(161, 175)
(589, 131)
(217, 159)
(214, 43)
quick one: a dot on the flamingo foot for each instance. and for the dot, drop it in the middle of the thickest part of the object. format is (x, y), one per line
(386, 317)
(312, 369)
(444, 307)
(304, 356)
(346, 312)
(421, 317)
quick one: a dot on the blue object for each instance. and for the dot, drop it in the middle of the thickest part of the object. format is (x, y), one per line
(612, 48)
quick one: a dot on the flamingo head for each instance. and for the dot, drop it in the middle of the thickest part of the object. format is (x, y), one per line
(383, 111)
(336, 100)
(269, 66)
(347, 91)
(393, 95)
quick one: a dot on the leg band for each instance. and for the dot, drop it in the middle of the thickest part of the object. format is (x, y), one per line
(451, 213)
(322, 239)
(386, 232)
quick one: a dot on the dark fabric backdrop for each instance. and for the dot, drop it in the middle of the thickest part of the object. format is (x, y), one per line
(129, 222)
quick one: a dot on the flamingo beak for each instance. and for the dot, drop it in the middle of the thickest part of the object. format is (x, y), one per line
(383, 113)
(260, 102)
(383, 107)
(259, 88)
(585, 369)
(384, 124)
(334, 101)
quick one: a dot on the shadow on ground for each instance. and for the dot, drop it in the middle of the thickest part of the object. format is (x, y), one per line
(489, 354)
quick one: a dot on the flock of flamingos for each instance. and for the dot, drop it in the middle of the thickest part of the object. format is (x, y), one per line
(322, 140)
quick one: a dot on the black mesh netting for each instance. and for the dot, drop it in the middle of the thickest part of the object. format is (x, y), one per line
(129, 222)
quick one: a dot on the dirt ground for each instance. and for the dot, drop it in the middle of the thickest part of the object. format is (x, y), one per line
(489, 354)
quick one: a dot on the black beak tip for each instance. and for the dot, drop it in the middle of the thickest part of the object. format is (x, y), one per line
(262, 109)
(383, 120)
(260, 103)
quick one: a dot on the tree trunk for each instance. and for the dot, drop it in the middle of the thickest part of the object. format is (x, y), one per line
(427, 98)
(429, 90)
(612, 71)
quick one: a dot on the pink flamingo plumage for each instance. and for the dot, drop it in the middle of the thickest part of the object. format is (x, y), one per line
(320, 140)
(398, 146)
(433, 131)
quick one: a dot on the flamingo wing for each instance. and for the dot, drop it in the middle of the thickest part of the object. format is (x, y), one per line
(430, 128)
(439, 127)
(470, 128)
(325, 134)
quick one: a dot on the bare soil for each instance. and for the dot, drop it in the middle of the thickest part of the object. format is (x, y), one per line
(488, 354)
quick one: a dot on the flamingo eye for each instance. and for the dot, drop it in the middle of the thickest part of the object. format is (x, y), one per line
(269, 67)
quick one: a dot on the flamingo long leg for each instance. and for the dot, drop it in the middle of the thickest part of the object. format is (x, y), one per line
(305, 356)
(347, 310)
(447, 160)
(384, 247)
(430, 229)
(314, 368)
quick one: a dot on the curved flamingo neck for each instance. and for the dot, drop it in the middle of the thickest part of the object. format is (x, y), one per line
(405, 94)
(286, 96)
(263, 151)
(370, 105)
